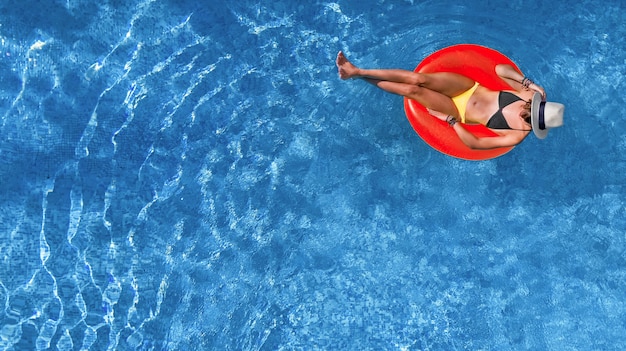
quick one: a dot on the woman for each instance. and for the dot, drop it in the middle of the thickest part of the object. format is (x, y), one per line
(453, 97)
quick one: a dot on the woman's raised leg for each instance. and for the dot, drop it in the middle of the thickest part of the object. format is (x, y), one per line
(449, 84)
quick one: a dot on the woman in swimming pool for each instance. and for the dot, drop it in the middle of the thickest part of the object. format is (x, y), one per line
(453, 97)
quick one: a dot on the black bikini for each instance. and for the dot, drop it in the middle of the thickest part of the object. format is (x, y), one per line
(497, 121)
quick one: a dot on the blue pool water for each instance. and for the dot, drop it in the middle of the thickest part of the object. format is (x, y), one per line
(189, 175)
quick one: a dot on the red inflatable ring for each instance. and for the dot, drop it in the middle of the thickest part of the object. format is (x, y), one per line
(476, 62)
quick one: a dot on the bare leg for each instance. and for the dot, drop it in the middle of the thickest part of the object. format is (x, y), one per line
(347, 70)
(449, 84)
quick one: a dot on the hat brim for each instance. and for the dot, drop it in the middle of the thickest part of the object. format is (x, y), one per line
(534, 113)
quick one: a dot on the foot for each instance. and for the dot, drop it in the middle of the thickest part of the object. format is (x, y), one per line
(346, 69)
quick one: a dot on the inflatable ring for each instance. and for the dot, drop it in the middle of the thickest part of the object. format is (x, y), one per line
(473, 61)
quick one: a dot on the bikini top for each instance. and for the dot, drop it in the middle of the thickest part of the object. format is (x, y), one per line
(497, 121)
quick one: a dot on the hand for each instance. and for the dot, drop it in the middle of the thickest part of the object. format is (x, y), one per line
(538, 89)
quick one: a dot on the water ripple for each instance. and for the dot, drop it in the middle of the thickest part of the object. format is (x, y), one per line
(196, 176)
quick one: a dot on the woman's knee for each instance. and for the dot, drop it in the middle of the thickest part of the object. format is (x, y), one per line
(414, 91)
(419, 78)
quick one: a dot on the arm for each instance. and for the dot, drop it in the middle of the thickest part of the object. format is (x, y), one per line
(473, 142)
(507, 72)
(511, 138)
(515, 79)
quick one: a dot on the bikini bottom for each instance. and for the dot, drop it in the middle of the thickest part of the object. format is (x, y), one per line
(460, 101)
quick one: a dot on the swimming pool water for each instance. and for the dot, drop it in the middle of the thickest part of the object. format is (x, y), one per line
(180, 175)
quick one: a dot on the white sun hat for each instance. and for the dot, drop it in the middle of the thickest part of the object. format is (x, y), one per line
(545, 115)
